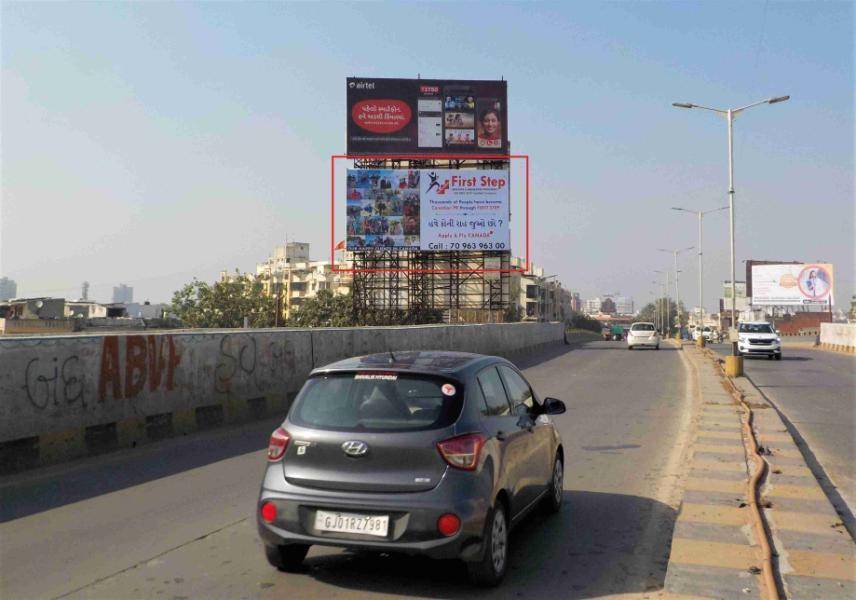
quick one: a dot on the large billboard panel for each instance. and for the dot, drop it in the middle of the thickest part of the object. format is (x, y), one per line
(426, 116)
(428, 209)
(792, 285)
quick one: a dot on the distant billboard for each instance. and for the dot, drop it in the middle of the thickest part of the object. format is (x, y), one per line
(739, 287)
(427, 209)
(792, 284)
(426, 116)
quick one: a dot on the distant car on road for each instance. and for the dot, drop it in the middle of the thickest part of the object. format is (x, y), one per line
(706, 333)
(643, 334)
(434, 453)
(759, 338)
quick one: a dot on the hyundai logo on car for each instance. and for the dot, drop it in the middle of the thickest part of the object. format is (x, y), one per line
(355, 448)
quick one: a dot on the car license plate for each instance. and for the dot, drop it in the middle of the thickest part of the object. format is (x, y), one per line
(352, 523)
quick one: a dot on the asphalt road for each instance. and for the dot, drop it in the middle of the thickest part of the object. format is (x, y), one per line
(175, 519)
(816, 391)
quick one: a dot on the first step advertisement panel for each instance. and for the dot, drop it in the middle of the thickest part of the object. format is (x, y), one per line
(428, 209)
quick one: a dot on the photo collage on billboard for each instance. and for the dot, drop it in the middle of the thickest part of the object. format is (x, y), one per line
(382, 209)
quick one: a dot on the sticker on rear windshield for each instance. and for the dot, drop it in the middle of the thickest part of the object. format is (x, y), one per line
(383, 376)
(448, 389)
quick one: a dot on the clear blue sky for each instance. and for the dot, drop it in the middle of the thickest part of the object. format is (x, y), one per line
(149, 143)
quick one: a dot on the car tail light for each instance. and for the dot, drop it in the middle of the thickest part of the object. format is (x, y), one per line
(448, 524)
(462, 452)
(268, 512)
(278, 443)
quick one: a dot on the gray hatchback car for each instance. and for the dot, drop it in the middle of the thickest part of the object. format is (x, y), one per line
(433, 453)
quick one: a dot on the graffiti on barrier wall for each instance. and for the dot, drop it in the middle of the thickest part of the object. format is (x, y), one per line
(53, 382)
(150, 362)
(245, 360)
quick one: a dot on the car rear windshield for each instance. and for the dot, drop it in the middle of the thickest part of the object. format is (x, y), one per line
(755, 328)
(642, 327)
(377, 402)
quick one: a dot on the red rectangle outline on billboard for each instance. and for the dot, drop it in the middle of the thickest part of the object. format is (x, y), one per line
(508, 157)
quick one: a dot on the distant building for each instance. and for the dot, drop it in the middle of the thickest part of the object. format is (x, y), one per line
(624, 305)
(576, 302)
(123, 294)
(609, 304)
(147, 310)
(84, 309)
(592, 306)
(35, 308)
(607, 307)
(8, 289)
(290, 276)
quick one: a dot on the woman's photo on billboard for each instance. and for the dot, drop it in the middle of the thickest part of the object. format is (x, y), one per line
(489, 130)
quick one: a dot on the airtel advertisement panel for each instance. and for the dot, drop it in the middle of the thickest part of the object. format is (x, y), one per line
(793, 285)
(426, 116)
(428, 209)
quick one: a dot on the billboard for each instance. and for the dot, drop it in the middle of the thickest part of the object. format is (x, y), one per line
(792, 284)
(427, 209)
(426, 116)
(739, 287)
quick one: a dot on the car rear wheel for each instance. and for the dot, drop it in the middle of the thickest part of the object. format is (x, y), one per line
(490, 570)
(286, 558)
(553, 500)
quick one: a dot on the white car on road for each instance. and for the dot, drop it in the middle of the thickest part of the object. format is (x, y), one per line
(643, 334)
(759, 338)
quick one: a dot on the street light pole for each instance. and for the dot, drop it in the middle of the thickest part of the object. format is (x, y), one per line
(700, 214)
(658, 312)
(677, 292)
(730, 113)
(667, 316)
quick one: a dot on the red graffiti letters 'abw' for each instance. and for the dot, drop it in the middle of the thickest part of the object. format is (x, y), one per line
(145, 359)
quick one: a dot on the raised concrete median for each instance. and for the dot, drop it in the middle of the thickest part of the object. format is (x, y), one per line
(718, 547)
(840, 337)
(67, 396)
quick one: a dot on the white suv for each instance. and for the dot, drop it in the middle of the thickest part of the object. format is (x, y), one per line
(643, 334)
(759, 338)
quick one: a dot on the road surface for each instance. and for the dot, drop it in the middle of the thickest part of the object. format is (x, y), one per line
(175, 519)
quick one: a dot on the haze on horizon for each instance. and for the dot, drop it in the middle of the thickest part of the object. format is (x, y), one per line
(149, 144)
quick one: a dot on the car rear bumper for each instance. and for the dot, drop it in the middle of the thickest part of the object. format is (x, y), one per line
(412, 519)
(650, 342)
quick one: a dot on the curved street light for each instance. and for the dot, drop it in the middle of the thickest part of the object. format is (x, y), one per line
(729, 114)
(700, 214)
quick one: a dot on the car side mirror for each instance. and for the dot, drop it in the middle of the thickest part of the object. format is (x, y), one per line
(553, 406)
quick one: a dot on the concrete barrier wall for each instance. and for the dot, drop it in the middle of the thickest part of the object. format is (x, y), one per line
(69, 395)
(838, 336)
